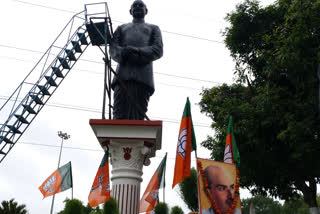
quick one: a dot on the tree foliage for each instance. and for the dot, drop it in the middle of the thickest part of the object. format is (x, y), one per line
(295, 206)
(12, 207)
(161, 208)
(274, 101)
(73, 206)
(188, 191)
(267, 205)
(76, 206)
(111, 207)
(262, 205)
(176, 210)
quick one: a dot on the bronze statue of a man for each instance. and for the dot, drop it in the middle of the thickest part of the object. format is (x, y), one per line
(134, 47)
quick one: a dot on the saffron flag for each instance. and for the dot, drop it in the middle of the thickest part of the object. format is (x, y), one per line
(186, 144)
(100, 190)
(151, 195)
(59, 181)
(231, 153)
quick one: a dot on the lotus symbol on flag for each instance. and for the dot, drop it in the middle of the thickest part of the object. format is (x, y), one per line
(154, 194)
(227, 154)
(182, 142)
(49, 183)
(99, 186)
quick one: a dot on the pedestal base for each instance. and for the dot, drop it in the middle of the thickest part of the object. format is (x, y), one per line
(131, 144)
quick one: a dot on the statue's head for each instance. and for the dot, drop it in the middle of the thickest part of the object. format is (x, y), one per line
(138, 9)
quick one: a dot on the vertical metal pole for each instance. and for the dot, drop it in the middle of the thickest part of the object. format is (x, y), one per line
(198, 181)
(105, 72)
(63, 136)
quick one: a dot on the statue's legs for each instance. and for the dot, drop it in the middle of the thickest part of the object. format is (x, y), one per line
(131, 105)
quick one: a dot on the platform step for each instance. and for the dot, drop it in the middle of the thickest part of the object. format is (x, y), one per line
(14, 129)
(29, 109)
(51, 81)
(7, 140)
(36, 99)
(43, 90)
(64, 62)
(70, 55)
(21, 119)
(82, 39)
(57, 72)
(76, 46)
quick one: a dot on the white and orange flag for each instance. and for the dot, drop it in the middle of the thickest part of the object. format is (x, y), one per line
(151, 195)
(186, 144)
(59, 181)
(100, 190)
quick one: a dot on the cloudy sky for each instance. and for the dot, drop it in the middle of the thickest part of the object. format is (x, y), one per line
(194, 58)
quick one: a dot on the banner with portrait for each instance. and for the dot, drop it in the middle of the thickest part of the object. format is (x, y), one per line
(218, 185)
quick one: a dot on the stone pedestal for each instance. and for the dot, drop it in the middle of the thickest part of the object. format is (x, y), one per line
(131, 145)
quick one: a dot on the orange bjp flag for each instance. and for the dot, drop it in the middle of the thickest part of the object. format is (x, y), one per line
(59, 181)
(151, 196)
(100, 190)
(186, 144)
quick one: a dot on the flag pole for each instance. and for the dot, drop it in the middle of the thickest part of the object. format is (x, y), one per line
(164, 188)
(63, 136)
(71, 181)
(195, 153)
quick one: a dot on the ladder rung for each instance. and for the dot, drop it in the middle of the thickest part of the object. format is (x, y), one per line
(70, 55)
(57, 72)
(29, 109)
(51, 81)
(76, 46)
(21, 119)
(2, 153)
(82, 39)
(36, 99)
(14, 129)
(64, 62)
(43, 90)
(7, 140)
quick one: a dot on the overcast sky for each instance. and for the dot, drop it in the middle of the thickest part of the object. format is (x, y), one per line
(194, 58)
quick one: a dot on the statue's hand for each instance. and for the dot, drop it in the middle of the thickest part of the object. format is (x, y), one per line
(130, 53)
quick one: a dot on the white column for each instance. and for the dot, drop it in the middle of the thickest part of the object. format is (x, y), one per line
(127, 160)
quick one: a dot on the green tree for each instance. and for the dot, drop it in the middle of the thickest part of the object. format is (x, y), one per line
(176, 210)
(295, 205)
(111, 207)
(274, 102)
(73, 206)
(12, 207)
(90, 210)
(262, 205)
(161, 208)
(189, 192)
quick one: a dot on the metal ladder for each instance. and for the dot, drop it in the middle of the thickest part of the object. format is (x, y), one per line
(52, 69)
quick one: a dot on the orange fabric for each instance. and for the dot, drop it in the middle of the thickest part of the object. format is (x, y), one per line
(183, 162)
(51, 185)
(149, 198)
(100, 190)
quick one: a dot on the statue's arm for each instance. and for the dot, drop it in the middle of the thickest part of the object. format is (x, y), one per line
(115, 48)
(155, 50)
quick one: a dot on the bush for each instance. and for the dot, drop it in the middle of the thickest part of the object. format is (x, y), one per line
(161, 208)
(176, 210)
(110, 207)
(73, 206)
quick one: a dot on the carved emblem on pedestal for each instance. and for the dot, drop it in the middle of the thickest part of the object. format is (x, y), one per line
(127, 153)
